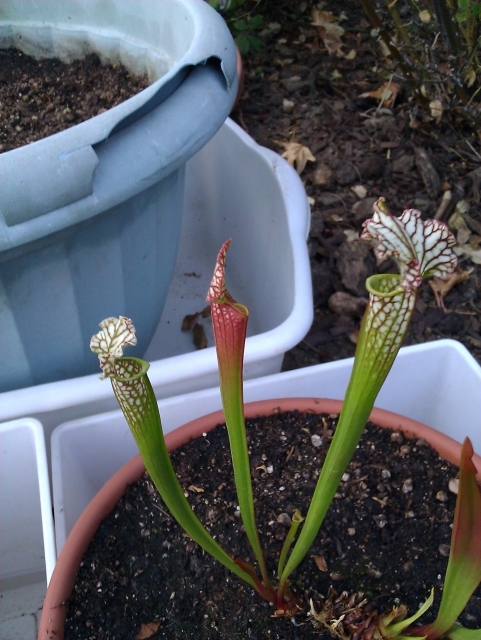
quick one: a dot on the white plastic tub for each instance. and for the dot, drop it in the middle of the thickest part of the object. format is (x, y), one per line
(27, 547)
(234, 189)
(438, 383)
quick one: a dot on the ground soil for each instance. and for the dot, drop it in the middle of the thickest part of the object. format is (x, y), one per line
(296, 90)
(41, 97)
(386, 535)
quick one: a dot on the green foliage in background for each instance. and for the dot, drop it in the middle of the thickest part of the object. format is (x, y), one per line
(242, 22)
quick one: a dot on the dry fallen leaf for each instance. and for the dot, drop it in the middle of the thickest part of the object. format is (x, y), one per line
(329, 31)
(436, 110)
(206, 312)
(468, 244)
(200, 339)
(471, 249)
(386, 94)
(297, 155)
(147, 630)
(442, 286)
(189, 321)
(359, 190)
(195, 489)
(425, 16)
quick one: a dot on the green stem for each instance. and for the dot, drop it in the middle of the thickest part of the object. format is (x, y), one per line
(399, 24)
(136, 398)
(384, 326)
(296, 521)
(233, 405)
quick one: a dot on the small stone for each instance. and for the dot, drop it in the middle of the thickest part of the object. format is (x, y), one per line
(408, 567)
(386, 473)
(442, 496)
(321, 563)
(363, 209)
(327, 200)
(404, 450)
(316, 441)
(335, 576)
(407, 486)
(212, 514)
(396, 437)
(270, 469)
(345, 174)
(351, 531)
(444, 550)
(380, 520)
(345, 477)
(355, 264)
(454, 485)
(293, 83)
(410, 514)
(284, 519)
(360, 191)
(403, 164)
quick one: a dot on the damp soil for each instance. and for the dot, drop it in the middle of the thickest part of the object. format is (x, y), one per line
(41, 97)
(386, 537)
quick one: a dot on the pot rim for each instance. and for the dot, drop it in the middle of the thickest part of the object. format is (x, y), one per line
(63, 577)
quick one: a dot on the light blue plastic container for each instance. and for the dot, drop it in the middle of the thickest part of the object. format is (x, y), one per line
(90, 218)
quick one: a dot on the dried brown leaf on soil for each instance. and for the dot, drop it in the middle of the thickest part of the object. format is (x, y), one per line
(436, 108)
(442, 286)
(328, 28)
(385, 94)
(147, 630)
(297, 155)
(470, 249)
(469, 244)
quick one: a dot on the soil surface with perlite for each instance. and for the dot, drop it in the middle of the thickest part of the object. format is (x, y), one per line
(41, 97)
(385, 540)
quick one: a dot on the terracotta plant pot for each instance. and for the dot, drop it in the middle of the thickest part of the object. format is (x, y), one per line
(64, 575)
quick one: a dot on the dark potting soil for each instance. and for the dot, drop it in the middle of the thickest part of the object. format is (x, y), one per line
(386, 535)
(41, 97)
